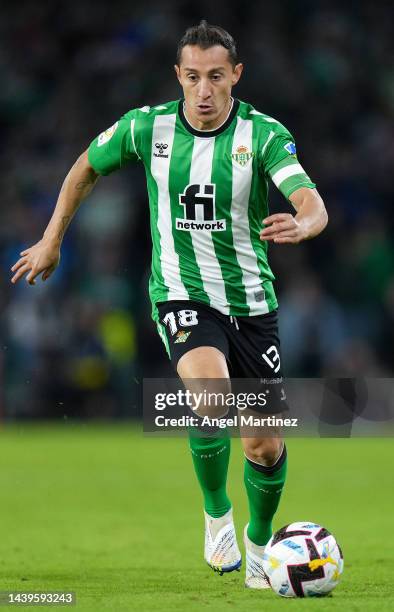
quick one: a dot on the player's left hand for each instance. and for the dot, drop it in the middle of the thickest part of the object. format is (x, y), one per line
(282, 228)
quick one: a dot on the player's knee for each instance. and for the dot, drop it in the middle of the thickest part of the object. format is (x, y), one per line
(265, 451)
(209, 397)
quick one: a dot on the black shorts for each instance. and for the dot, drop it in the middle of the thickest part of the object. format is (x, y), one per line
(250, 344)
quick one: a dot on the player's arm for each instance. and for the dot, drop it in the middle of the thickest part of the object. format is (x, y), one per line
(281, 165)
(109, 151)
(311, 219)
(43, 257)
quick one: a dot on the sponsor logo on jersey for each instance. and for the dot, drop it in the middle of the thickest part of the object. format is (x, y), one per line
(198, 202)
(290, 148)
(160, 148)
(242, 155)
(104, 137)
(182, 336)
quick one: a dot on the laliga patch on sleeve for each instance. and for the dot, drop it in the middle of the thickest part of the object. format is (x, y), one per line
(104, 137)
(290, 148)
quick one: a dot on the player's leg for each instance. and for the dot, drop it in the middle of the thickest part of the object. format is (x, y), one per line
(256, 356)
(211, 453)
(198, 359)
(265, 467)
(264, 476)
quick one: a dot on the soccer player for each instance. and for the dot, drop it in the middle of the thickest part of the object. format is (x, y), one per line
(208, 159)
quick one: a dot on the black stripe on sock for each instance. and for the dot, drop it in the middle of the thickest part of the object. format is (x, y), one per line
(269, 470)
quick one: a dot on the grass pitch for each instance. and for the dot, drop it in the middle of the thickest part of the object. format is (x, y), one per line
(117, 517)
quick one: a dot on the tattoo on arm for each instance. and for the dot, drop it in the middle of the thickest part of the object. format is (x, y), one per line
(85, 186)
(87, 183)
(82, 184)
(64, 223)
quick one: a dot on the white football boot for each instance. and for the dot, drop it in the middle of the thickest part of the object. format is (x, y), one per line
(221, 549)
(255, 576)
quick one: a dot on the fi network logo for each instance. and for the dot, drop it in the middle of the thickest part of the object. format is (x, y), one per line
(198, 202)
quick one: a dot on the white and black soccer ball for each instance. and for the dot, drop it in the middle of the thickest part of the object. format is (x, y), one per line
(303, 560)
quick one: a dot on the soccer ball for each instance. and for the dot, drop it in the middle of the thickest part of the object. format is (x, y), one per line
(303, 560)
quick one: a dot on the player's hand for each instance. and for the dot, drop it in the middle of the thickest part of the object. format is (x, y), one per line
(42, 257)
(282, 228)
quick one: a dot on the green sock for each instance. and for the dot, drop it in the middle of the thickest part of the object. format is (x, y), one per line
(264, 489)
(210, 458)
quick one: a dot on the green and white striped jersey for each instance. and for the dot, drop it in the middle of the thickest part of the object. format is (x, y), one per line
(208, 195)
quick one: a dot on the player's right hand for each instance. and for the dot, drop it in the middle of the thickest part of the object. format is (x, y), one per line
(42, 257)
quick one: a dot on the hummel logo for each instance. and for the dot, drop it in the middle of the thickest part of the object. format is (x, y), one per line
(160, 146)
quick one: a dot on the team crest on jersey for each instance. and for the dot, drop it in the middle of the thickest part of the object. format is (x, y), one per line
(182, 336)
(104, 137)
(242, 155)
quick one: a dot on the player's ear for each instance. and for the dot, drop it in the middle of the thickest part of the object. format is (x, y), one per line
(237, 73)
(177, 72)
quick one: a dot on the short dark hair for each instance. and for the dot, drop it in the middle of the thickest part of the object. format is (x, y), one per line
(205, 36)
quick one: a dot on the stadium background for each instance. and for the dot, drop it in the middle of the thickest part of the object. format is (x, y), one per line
(80, 344)
(96, 507)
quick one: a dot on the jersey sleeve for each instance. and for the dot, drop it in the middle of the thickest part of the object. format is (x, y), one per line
(115, 147)
(280, 162)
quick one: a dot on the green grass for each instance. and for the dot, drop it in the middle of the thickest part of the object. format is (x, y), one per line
(117, 517)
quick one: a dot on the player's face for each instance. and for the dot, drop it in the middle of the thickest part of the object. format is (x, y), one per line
(206, 77)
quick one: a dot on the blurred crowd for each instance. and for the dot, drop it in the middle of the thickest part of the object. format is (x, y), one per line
(80, 344)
